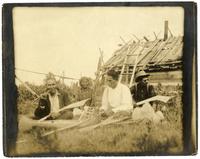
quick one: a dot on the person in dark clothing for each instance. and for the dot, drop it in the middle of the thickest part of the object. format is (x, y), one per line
(51, 101)
(142, 90)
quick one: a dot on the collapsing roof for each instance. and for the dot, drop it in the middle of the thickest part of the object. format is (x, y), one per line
(162, 58)
(154, 55)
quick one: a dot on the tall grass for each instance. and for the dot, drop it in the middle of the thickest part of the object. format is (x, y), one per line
(142, 137)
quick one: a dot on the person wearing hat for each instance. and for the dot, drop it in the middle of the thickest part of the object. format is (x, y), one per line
(142, 90)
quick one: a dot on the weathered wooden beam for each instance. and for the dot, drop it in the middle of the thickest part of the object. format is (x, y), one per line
(64, 128)
(164, 99)
(170, 32)
(26, 123)
(71, 106)
(107, 121)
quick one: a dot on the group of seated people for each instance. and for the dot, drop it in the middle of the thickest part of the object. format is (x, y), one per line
(116, 96)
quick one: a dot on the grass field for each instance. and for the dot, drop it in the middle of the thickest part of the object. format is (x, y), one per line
(141, 137)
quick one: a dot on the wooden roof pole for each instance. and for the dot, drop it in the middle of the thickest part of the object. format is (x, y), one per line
(155, 35)
(136, 37)
(123, 40)
(173, 47)
(147, 51)
(170, 32)
(126, 57)
(134, 69)
(124, 64)
(156, 52)
(135, 66)
(145, 38)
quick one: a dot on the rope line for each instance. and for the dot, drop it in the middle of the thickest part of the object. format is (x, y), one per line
(41, 73)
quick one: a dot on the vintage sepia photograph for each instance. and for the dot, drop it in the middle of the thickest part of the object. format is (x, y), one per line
(99, 80)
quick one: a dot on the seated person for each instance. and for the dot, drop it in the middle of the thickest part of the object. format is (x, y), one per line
(142, 90)
(52, 101)
(116, 96)
(84, 92)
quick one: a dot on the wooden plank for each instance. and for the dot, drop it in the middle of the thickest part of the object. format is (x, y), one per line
(135, 66)
(129, 53)
(108, 121)
(117, 54)
(127, 70)
(123, 67)
(64, 128)
(174, 47)
(119, 58)
(26, 123)
(166, 43)
(71, 106)
(145, 53)
(164, 99)
(162, 44)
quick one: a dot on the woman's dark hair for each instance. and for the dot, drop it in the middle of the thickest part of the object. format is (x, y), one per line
(114, 74)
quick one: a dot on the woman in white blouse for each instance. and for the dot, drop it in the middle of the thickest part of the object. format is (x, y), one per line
(116, 97)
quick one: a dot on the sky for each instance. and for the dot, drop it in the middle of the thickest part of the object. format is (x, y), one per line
(68, 39)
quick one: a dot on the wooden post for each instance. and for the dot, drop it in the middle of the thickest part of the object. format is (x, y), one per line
(127, 73)
(155, 35)
(170, 31)
(166, 30)
(124, 65)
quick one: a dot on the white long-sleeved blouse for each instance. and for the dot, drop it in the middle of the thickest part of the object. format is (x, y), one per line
(117, 99)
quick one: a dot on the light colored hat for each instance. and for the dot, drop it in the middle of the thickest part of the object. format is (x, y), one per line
(141, 74)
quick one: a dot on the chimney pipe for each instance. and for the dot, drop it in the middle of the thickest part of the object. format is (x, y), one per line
(166, 30)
